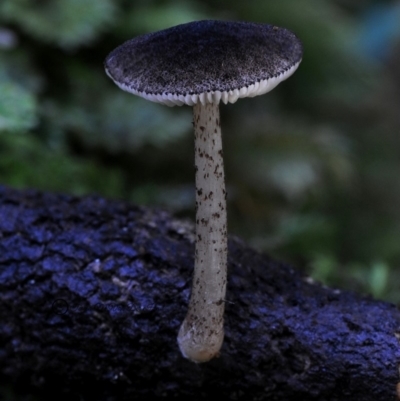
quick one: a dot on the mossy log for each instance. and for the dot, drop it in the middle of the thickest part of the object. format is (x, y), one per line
(92, 293)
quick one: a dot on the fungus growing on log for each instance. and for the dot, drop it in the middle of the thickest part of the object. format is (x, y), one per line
(199, 64)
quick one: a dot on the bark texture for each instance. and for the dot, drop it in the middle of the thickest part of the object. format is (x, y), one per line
(92, 293)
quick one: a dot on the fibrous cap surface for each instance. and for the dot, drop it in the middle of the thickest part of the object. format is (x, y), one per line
(205, 61)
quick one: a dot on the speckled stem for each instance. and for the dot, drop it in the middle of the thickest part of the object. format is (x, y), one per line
(201, 334)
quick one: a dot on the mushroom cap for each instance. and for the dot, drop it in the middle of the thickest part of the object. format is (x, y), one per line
(205, 61)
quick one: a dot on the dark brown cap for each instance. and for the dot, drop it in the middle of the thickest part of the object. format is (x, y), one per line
(205, 61)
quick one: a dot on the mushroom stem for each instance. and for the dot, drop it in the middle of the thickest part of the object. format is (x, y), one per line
(201, 334)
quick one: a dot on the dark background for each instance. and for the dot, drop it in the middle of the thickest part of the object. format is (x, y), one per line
(312, 168)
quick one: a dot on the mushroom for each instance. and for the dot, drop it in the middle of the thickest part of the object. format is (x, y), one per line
(200, 64)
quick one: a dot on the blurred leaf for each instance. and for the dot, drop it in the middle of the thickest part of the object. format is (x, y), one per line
(293, 176)
(324, 268)
(379, 29)
(101, 115)
(291, 157)
(154, 17)
(18, 109)
(331, 66)
(378, 278)
(126, 124)
(129, 122)
(24, 162)
(308, 233)
(17, 66)
(68, 23)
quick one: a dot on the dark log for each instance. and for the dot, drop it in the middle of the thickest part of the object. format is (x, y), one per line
(92, 293)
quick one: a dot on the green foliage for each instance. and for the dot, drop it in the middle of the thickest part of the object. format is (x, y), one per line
(374, 277)
(67, 23)
(26, 163)
(312, 168)
(331, 67)
(159, 16)
(101, 116)
(18, 108)
(18, 87)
